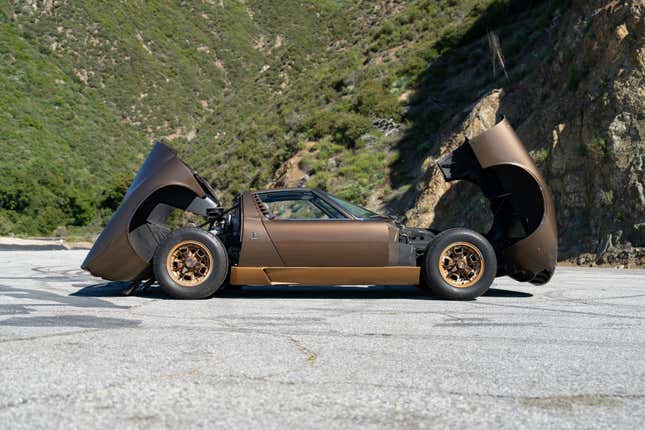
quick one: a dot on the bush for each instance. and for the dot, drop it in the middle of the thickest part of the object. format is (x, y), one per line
(540, 156)
(321, 180)
(114, 192)
(79, 210)
(373, 99)
(13, 199)
(344, 127)
(596, 149)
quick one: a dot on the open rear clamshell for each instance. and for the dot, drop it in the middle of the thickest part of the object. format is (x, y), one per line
(126, 246)
(524, 231)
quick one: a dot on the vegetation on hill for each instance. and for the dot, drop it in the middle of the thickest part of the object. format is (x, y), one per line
(86, 86)
(236, 87)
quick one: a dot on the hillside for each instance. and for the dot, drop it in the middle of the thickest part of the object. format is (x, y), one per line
(358, 98)
(581, 111)
(86, 86)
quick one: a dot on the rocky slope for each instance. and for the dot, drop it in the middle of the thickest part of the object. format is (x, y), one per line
(582, 114)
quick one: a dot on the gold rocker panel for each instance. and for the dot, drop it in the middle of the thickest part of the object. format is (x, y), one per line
(390, 275)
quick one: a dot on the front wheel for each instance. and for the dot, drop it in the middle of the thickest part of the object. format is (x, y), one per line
(190, 264)
(459, 264)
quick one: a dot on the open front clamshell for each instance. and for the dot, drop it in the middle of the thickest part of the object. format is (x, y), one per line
(524, 231)
(126, 246)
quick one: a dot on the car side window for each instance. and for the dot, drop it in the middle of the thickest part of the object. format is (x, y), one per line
(298, 205)
(295, 209)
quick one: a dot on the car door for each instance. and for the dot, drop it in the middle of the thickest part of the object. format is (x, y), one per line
(308, 231)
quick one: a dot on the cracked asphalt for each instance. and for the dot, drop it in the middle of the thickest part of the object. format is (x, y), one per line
(76, 354)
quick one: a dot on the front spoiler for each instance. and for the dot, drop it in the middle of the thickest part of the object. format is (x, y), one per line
(524, 231)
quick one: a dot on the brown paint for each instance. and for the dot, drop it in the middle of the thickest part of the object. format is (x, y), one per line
(257, 247)
(498, 146)
(113, 257)
(392, 275)
(330, 243)
(316, 243)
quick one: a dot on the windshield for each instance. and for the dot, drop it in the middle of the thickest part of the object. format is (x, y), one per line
(354, 210)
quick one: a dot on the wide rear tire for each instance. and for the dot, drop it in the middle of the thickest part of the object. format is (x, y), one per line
(459, 264)
(190, 264)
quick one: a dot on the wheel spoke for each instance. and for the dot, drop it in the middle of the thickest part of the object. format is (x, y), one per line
(461, 264)
(189, 263)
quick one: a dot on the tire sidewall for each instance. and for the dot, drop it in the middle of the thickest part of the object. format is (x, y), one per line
(215, 279)
(432, 277)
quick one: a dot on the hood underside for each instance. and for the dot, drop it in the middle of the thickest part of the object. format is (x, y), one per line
(164, 183)
(524, 231)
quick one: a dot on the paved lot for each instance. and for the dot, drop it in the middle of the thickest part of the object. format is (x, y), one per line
(75, 354)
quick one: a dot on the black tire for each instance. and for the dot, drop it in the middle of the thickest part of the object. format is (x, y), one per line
(195, 247)
(472, 281)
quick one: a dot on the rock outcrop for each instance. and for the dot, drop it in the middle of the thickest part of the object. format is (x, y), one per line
(581, 114)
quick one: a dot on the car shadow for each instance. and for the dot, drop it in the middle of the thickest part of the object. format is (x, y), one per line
(498, 292)
(115, 289)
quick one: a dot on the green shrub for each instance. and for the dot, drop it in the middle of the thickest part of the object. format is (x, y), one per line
(114, 191)
(13, 199)
(344, 127)
(373, 99)
(540, 156)
(306, 163)
(596, 148)
(79, 210)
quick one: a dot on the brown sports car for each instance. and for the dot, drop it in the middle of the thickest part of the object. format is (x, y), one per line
(301, 236)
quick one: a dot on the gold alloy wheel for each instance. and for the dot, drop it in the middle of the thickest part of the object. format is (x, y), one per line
(189, 263)
(461, 264)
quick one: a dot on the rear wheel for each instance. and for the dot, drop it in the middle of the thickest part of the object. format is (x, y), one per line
(190, 264)
(459, 264)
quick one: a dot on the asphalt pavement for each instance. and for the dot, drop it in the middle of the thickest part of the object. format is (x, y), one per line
(74, 353)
